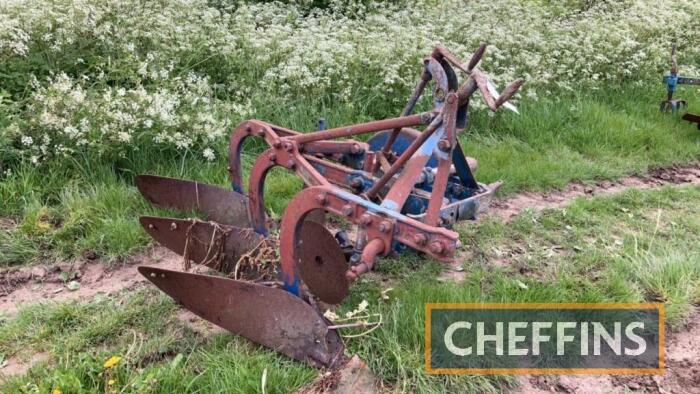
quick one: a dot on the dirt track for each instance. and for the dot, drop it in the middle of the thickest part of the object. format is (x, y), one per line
(675, 175)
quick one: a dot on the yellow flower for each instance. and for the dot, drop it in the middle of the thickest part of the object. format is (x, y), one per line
(56, 391)
(114, 360)
(111, 382)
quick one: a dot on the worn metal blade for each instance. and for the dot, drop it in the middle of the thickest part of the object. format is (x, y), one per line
(322, 263)
(268, 316)
(217, 204)
(215, 245)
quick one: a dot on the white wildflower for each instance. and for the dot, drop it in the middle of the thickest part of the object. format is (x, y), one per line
(208, 154)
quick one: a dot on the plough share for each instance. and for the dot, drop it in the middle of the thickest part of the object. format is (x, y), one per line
(401, 189)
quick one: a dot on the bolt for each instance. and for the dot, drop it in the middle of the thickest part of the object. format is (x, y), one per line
(273, 157)
(437, 247)
(173, 226)
(426, 118)
(276, 144)
(365, 220)
(385, 226)
(291, 164)
(444, 145)
(321, 199)
(355, 148)
(451, 98)
(261, 132)
(288, 146)
(420, 239)
(248, 129)
(347, 210)
(151, 226)
(356, 182)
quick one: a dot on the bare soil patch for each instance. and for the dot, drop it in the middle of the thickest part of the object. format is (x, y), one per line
(354, 377)
(674, 175)
(682, 372)
(27, 285)
(16, 366)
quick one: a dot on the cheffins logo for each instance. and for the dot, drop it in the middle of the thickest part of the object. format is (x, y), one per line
(544, 338)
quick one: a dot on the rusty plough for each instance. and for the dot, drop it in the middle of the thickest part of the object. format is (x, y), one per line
(401, 189)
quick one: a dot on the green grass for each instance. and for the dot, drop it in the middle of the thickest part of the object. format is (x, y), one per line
(631, 247)
(69, 208)
(159, 353)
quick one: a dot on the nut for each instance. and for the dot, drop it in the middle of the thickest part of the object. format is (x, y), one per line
(444, 145)
(321, 199)
(291, 164)
(437, 247)
(420, 239)
(365, 220)
(355, 148)
(273, 156)
(173, 226)
(276, 144)
(356, 182)
(385, 226)
(288, 146)
(347, 210)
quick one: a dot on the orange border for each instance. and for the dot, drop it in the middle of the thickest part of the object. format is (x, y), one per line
(563, 371)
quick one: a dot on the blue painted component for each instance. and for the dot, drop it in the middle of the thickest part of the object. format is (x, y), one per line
(321, 124)
(294, 287)
(462, 167)
(415, 205)
(355, 161)
(237, 188)
(671, 82)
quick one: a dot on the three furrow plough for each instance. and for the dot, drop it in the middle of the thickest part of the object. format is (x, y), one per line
(401, 189)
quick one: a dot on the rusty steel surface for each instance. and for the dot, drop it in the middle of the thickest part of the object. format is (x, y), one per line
(268, 316)
(406, 156)
(214, 245)
(217, 204)
(322, 263)
(364, 128)
(402, 189)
